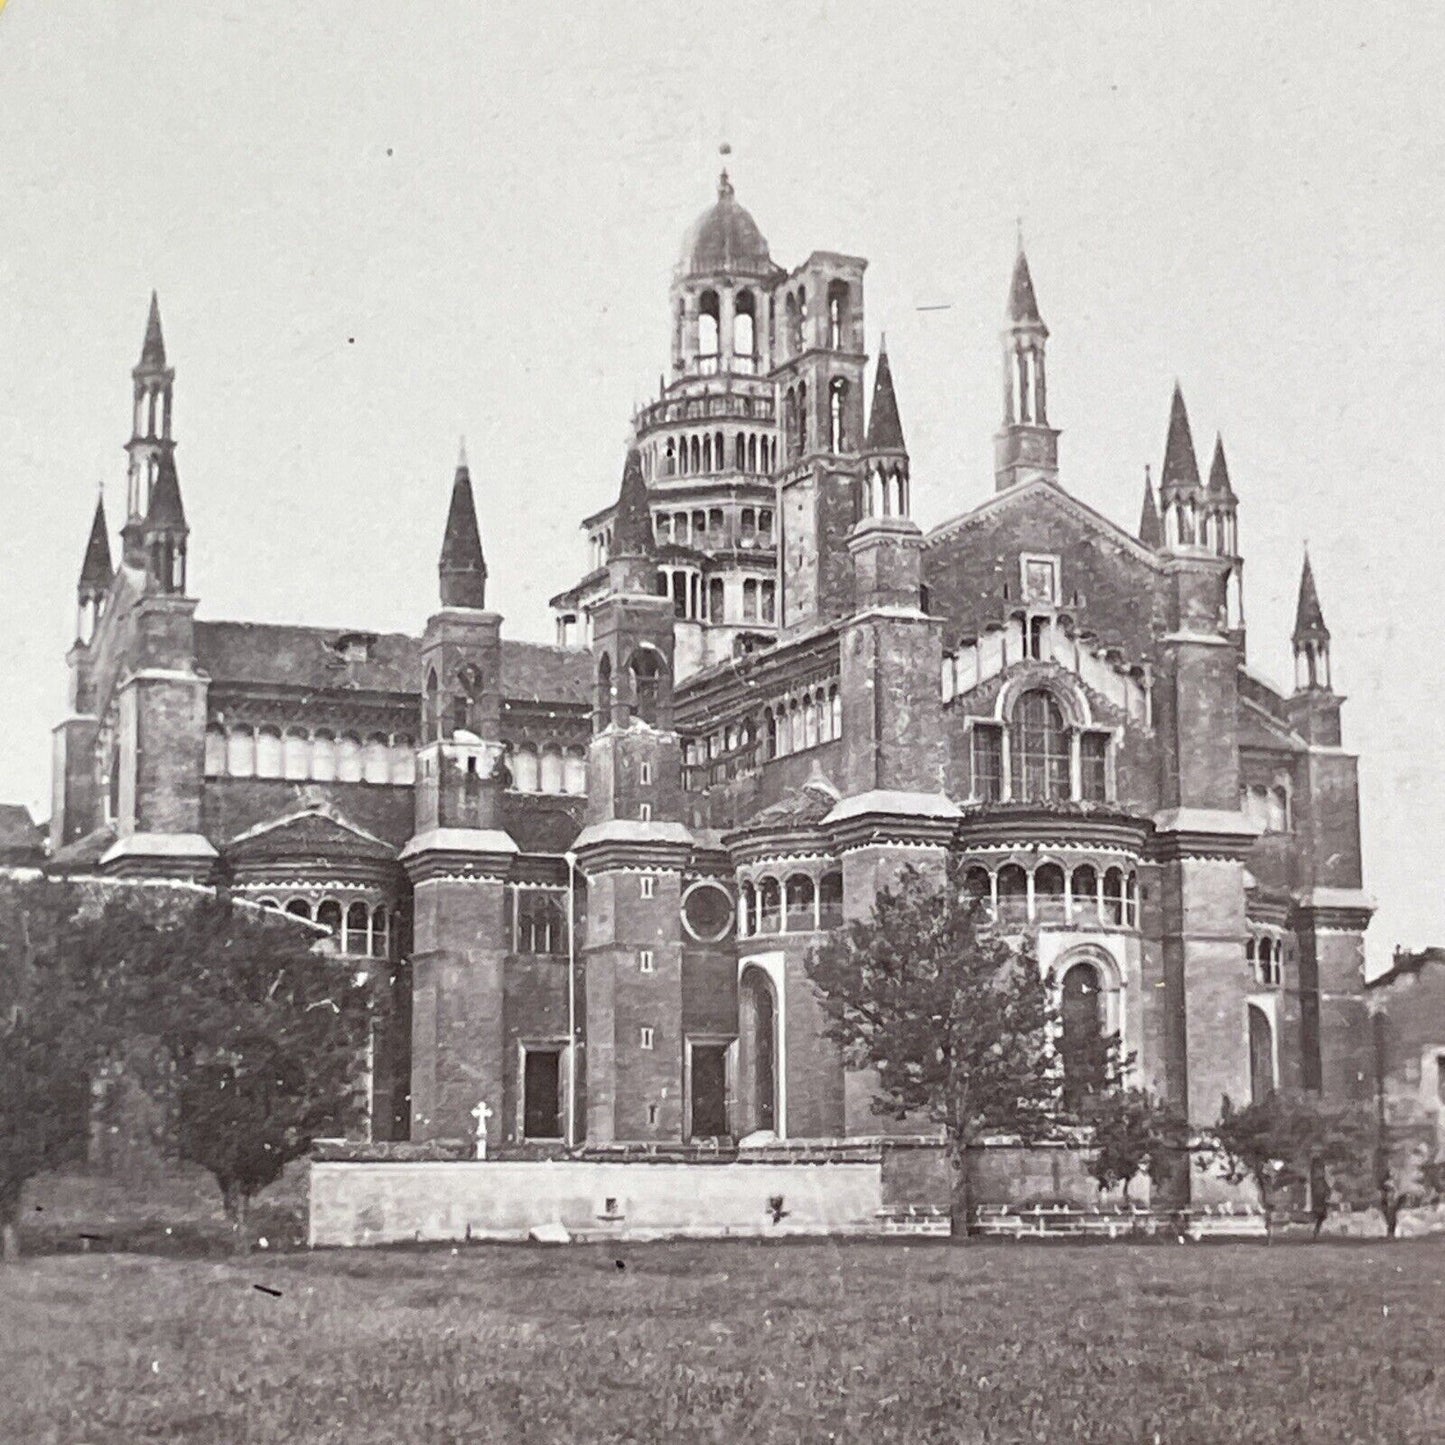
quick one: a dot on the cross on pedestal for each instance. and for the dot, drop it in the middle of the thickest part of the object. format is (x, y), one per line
(481, 1114)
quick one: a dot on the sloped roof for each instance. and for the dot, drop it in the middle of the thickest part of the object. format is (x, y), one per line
(1257, 729)
(724, 238)
(462, 567)
(1151, 533)
(316, 831)
(1022, 304)
(97, 569)
(1309, 619)
(267, 654)
(18, 830)
(153, 348)
(632, 534)
(885, 429)
(1181, 467)
(166, 511)
(87, 849)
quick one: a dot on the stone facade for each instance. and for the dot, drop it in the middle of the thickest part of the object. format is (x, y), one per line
(594, 870)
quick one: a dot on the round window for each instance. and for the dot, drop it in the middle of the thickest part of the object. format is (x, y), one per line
(707, 912)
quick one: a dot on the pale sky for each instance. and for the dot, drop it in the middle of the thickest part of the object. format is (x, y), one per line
(376, 226)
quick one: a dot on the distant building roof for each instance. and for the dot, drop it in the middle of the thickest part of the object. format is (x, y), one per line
(22, 839)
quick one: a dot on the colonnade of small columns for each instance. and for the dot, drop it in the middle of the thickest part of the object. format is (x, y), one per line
(320, 755)
(1047, 892)
(793, 903)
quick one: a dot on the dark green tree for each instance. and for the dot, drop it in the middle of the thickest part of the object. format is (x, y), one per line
(956, 1021)
(53, 1036)
(262, 1038)
(1133, 1132)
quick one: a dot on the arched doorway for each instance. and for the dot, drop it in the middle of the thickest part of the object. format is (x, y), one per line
(758, 1035)
(1082, 1047)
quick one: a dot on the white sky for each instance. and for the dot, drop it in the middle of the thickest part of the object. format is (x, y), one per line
(375, 226)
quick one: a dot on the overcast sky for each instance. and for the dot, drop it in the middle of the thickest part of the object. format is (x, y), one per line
(376, 226)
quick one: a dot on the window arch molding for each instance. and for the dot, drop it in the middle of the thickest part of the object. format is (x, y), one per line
(1111, 982)
(1072, 701)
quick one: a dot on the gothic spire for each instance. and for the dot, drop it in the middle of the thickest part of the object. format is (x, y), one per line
(885, 430)
(153, 348)
(1151, 532)
(462, 568)
(1219, 485)
(1181, 469)
(1023, 306)
(96, 570)
(632, 519)
(166, 513)
(1309, 620)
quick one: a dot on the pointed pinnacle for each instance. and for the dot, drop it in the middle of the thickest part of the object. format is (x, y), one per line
(153, 348)
(632, 519)
(1151, 533)
(462, 568)
(96, 570)
(1023, 305)
(885, 428)
(1309, 618)
(462, 458)
(1219, 472)
(1181, 469)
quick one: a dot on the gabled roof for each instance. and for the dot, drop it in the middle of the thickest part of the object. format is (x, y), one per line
(315, 831)
(885, 429)
(19, 832)
(1257, 729)
(1030, 495)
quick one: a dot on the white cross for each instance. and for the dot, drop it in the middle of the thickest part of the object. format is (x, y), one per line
(481, 1114)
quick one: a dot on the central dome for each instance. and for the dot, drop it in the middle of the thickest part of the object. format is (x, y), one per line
(724, 238)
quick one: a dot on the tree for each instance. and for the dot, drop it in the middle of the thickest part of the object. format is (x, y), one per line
(52, 1037)
(262, 1037)
(956, 1021)
(1133, 1132)
(1286, 1141)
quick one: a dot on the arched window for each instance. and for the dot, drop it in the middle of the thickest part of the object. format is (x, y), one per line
(646, 685)
(380, 933)
(669, 462)
(215, 751)
(770, 906)
(348, 760)
(835, 710)
(1114, 896)
(355, 939)
(837, 400)
(747, 910)
(268, 753)
(800, 904)
(574, 772)
(241, 753)
(1084, 888)
(976, 885)
(1049, 892)
(602, 702)
(715, 599)
(1131, 899)
(752, 465)
(328, 914)
(707, 451)
(802, 417)
(432, 708)
(770, 735)
(745, 328)
(299, 908)
(375, 760)
(1082, 1045)
(403, 761)
(526, 775)
(809, 718)
(1040, 748)
(830, 901)
(795, 330)
(295, 756)
(551, 771)
(1013, 892)
(694, 447)
(707, 332)
(1261, 1054)
(837, 314)
(750, 599)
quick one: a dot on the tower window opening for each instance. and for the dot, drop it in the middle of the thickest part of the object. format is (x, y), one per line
(769, 600)
(837, 399)
(707, 333)
(987, 763)
(1082, 1042)
(802, 418)
(744, 331)
(750, 600)
(669, 459)
(837, 313)
(707, 452)
(752, 465)
(715, 599)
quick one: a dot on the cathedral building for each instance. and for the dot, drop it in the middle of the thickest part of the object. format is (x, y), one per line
(594, 870)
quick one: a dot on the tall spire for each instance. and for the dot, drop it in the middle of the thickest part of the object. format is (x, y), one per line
(1026, 447)
(1022, 303)
(632, 519)
(885, 429)
(1219, 486)
(1181, 469)
(462, 568)
(164, 530)
(153, 348)
(96, 570)
(1151, 534)
(1309, 619)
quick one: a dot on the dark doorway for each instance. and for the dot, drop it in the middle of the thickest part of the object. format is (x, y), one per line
(541, 1094)
(709, 1091)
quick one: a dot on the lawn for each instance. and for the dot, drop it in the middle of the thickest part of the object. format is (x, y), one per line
(883, 1341)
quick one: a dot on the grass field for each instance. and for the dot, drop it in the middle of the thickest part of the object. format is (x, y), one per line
(731, 1342)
